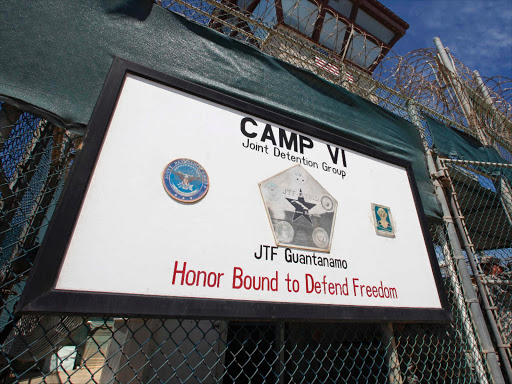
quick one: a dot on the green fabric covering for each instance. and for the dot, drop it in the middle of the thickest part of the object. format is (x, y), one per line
(475, 198)
(56, 55)
(452, 143)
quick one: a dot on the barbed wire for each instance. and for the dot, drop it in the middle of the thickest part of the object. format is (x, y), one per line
(314, 36)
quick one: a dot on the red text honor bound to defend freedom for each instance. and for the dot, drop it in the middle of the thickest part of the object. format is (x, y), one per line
(186, 276)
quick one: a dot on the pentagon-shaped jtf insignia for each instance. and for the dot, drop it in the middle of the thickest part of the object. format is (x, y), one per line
(301, 212)
(383, 221)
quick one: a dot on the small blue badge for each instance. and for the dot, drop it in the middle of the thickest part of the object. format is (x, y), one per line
(185, 180)
(384, 225)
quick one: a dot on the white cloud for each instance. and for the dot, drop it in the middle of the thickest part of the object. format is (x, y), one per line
(478, 32)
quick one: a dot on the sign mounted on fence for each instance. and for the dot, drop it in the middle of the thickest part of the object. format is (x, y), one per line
(187, 202)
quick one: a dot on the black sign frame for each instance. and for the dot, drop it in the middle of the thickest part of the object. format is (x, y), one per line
(41, 296)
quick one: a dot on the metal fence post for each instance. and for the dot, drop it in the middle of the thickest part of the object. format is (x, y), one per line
(463, 99)
(465, 278)
(392, 357)
(506, 197)
(459, 302)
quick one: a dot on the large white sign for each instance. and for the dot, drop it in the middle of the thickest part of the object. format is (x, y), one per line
(267, 185)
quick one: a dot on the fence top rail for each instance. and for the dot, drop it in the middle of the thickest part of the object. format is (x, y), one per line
(472, 162)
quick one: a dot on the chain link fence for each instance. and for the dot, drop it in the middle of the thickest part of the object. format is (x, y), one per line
(36, 156)
(482, 196)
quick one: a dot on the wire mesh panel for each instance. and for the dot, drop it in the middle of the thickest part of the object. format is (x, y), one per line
(483, 197)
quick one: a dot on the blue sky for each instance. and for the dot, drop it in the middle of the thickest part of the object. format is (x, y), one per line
(478, 32)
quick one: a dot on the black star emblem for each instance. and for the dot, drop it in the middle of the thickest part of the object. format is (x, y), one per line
(301, 207)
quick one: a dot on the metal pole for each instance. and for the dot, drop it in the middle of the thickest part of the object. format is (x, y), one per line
(482, 87)
(392, 357)
(459, 92)
(506, 197)
(348, 43)
(500, 121)
(465, 278)
(461, 306)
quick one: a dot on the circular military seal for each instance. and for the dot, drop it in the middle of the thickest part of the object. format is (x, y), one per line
(327, 203)
(273, 191)
(185, 180)
(284, 232)
(320, 237)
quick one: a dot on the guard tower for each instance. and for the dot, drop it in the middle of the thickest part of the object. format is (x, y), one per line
(325, 36)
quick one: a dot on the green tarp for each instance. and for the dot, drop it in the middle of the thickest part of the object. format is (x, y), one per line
(55, 55)
(452, 143)
(483, 207)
